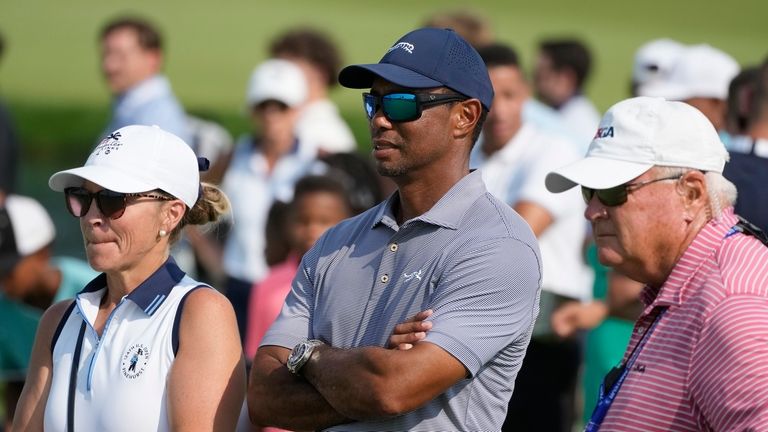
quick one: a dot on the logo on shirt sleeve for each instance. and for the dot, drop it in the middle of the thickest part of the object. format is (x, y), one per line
(134, 361)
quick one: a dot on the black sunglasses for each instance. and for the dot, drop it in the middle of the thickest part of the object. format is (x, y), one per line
(617, 195)
(405, 107)
(111, 204)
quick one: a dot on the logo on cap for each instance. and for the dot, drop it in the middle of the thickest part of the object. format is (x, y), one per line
(404, 45)
(111, 142)
(604, 132)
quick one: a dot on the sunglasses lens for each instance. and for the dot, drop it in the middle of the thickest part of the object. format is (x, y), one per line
(111, 204)
(78, 201)
(369, 103)
(400, 107)
(612, 197)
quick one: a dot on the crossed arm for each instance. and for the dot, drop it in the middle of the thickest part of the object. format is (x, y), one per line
(344, 385)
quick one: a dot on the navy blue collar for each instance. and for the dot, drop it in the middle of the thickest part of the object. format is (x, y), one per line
(151, 293)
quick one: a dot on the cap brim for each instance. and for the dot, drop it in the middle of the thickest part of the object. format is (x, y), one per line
(106, 177)
(595, 173)
(362, 76)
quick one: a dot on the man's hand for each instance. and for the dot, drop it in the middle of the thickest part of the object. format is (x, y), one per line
(411, 331)
(573, 316)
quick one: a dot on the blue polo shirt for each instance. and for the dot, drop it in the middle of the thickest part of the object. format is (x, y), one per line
(470, 258)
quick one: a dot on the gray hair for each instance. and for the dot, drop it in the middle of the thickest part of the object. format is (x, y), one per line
(721, 192)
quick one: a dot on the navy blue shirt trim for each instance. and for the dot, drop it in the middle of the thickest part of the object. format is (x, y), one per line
(151, 293)
(60, 327)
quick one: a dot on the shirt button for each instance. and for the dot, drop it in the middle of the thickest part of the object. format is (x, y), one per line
(385, 279)
(640, 330)
(393, 247)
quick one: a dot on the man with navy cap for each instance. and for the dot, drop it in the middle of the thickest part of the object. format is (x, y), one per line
(416, 314)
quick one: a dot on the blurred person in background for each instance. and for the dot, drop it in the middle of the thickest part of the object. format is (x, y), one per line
(748, 120)
(263, 167)
(470, 25)
(700, 78)
(31, 280)
(9, 146)
(132, 59)
(653, 62)
(319, 202)
(559, 78)
(319, 128)
(514, 156)
(142, 336)
(662, 214)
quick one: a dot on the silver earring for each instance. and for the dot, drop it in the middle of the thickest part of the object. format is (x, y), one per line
(163, 233)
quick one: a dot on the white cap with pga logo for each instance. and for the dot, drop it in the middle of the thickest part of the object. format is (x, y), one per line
(637, 134)
(136, 159)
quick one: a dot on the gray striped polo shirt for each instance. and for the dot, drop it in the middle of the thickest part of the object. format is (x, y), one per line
(470, 258)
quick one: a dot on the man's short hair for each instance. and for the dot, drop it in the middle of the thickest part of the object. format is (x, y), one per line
(742, 101)
(568, 54)
(147, 34)
(498, 54)
(474, 28)
(312, 45)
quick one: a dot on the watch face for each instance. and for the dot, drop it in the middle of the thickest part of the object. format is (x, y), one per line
(296, 355)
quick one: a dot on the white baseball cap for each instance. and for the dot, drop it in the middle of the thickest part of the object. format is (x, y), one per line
(638, 133)
(25, 228)
(654, 60)
(278, 80)
(138, 159)
(701, 71)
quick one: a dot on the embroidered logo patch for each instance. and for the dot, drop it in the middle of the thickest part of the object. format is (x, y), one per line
(408, 47)
(409, 276)
(111, 142)
(134, 361)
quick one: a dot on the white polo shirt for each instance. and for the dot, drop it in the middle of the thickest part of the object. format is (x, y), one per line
(121, 377)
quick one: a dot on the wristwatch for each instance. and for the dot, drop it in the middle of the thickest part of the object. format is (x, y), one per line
(301, 354)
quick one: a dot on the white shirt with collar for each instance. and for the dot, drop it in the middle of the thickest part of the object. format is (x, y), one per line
(516, 173)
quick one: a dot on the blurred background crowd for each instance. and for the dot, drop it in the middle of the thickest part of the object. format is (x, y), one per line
(252, 87)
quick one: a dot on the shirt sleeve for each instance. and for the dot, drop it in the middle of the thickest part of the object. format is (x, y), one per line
(554, 153)
(729, 371)
(487, 302)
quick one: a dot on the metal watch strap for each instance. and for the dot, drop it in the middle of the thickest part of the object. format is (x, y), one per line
(301, 354)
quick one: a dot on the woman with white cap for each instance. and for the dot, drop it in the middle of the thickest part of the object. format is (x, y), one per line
(143, 346)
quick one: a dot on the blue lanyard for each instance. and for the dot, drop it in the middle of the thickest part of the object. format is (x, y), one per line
(606, 399)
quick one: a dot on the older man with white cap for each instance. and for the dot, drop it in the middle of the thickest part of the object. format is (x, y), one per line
(662, 214)
(700, 77)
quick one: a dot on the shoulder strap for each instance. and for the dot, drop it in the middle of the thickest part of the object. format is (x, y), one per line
(60, 327)
(73, 380)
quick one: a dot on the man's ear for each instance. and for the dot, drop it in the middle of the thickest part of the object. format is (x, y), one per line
(466, 115)
(693, 188)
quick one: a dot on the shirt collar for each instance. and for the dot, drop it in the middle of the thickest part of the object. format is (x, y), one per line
(151, 88)
(704, 245)
(151, 293)
(447, 212)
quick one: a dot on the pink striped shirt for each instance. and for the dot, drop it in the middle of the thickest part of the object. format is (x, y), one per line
(705, 366)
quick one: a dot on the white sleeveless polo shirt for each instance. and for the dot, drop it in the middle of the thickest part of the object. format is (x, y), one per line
(121, 377)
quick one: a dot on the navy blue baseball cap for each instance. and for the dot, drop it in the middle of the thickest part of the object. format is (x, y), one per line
(427, 58)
